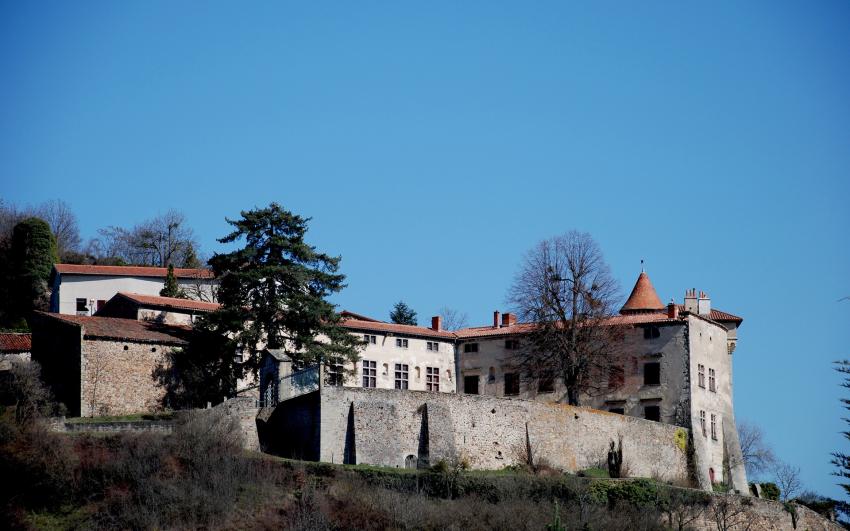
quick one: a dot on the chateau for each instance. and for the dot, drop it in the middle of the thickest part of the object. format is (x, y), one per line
(420, 394)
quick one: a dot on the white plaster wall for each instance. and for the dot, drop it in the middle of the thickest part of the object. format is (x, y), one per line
(708, 347)
(416, 356)
(95, 287)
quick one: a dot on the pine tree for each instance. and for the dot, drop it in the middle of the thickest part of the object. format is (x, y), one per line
(840, 459)
(403, 314)
(171, 288)
(190, 259)
(31, 257)
(274, 291)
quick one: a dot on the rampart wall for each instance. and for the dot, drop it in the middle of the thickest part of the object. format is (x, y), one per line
(403, 428)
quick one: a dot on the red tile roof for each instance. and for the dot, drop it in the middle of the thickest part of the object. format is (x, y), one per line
(392, 328)
(10, 343)
(125, 329)
(359, 317)
(129, 271)
(170, 302)
(643, 296)
(628, 319)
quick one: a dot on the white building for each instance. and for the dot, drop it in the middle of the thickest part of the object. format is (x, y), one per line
(84, 289)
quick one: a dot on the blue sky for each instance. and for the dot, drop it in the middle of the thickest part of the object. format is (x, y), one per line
(434, 143)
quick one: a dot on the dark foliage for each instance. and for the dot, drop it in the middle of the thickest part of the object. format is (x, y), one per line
(171, 288)
(203, 371)
(403, 314)
(28, 261)
(274, 290)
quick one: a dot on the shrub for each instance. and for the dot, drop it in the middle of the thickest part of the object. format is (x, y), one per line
(770, 491)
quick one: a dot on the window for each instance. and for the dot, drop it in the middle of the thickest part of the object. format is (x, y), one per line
(401, 343)
(651, 332)
(470, 347)
(652, 373)
(369, 339)
(714, 426)
(711, 381)
(702, 423)
(652, 413)
(433, 346)
(491, 375)
(401, 375)
(370, 373)
(511, 344)
(511, 384)
(616, 377)
(701, 375)
(546, 384)
(335, 374)
(82, 305)
(617, 410)
(432, 379)
(470, 385)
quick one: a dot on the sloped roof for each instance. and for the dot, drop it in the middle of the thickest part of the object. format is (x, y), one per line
(170, 302)
(96, 327)
(11, 342)
(130, 271)
(643, 297)
(392, 328)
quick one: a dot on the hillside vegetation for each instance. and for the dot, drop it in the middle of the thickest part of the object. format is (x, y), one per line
(199, 477)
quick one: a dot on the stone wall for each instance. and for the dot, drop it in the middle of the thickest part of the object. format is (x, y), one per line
(117, 377)
(394, 428)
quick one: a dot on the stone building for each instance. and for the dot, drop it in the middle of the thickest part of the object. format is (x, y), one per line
(676, 369)
(103, 365)
(84, 289)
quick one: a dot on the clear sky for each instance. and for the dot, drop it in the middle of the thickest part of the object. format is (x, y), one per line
(433, 143)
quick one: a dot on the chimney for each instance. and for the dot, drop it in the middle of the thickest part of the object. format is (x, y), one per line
(672, 310)
(437, 323)
(703, 304)
(691, 300)
(496, 319)
(508, 319)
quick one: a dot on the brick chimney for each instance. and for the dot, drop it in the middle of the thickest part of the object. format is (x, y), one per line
(496, 319)
(437, 323)
(703, 304)
(672, 310)
(691, 300)
(508, 319)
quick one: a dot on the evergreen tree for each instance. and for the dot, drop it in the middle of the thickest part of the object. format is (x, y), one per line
(171, 288)
(190, 259)
(403, 314)
(840, 459)
(31, 258)
(274, 291)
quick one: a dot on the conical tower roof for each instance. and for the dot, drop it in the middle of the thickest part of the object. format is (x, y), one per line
(643, 297)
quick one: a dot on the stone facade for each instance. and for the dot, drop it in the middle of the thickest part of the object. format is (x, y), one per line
(116, 377)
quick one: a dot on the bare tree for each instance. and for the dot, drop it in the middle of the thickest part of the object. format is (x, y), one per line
(728, 512)
(787, 478)
(63, 223)
(565, 290)
(165, 239)
(33, 399)
(757, 455)
(453, 319)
